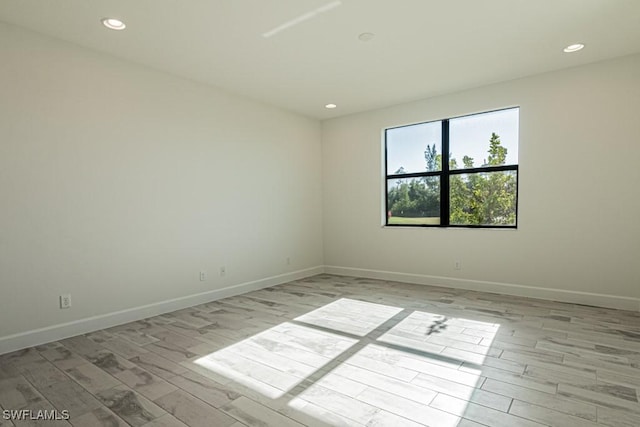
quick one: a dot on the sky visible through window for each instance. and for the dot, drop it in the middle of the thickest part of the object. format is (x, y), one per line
(469, 135)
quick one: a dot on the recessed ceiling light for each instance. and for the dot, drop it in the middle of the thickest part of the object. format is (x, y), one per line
(330, 106)
(365, 37)
(574, 48)
(113, 24)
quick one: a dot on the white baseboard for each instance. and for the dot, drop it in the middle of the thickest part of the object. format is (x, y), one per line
(576, 297)
(61, 331)
(83, 326)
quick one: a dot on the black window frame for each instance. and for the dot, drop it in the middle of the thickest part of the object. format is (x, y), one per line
(444, 174)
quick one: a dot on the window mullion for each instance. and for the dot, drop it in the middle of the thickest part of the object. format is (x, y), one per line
(444, 180)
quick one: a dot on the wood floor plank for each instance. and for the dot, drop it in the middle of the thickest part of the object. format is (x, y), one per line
(42, 373)
(156, 364)
(62, 357)
(148, 385)
(464, 392)
(342, 351)
(130, 406)
(335, 402)
(70, 396)
(546, 400)
(617, 418)
(254, 414)
(417, 412)
(99, 417)
(547, 416)
(92, 378)
(18, 393)
(205, 389)
(375, 380)
(5, 418)
(167, 421)
(193, 412)
(480, 414)
(608, 396)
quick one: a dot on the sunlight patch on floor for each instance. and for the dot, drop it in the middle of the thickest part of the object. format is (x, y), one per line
(276, 360)
(407, 366)
(350, 316)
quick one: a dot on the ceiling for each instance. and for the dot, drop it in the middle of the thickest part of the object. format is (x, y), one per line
(302, 54)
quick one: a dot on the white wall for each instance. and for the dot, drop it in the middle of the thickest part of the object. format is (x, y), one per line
(118, 184)
(579, 209)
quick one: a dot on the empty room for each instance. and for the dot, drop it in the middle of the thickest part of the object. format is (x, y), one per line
(319, 213)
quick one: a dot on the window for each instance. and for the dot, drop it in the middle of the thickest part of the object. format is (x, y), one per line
(458, 172)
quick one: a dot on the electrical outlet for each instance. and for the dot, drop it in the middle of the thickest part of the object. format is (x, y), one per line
(457, 264)
(65, 301)
(203, 276)
(223, 271)
(288, 260)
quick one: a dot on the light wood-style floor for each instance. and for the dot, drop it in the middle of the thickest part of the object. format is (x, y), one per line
(333, 350)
